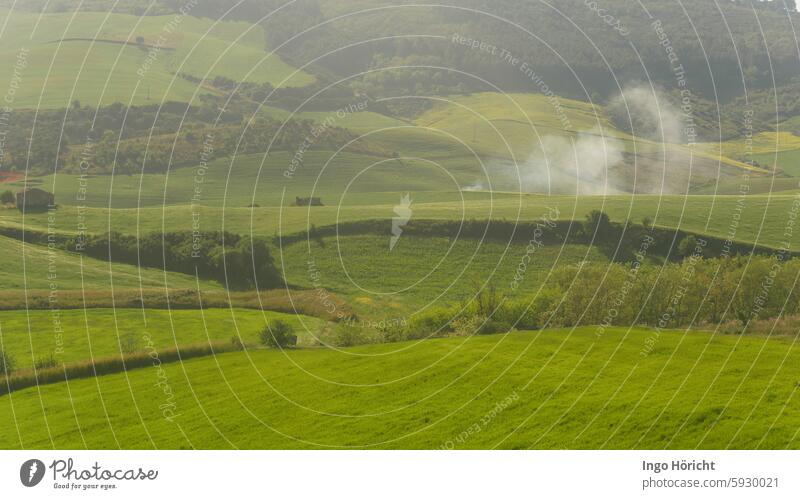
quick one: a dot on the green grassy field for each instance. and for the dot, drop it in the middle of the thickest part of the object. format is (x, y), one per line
(107, 70)
(355, 178)
(93, 333)
(557, 389)
(33, 266)
(774, 151)
(787, 161)
(381, 282)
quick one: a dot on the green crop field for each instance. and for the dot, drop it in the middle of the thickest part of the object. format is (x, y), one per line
(381, 281)
(97, 333)
(557, 389)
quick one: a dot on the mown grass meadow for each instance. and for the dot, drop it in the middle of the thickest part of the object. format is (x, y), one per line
(557, 389)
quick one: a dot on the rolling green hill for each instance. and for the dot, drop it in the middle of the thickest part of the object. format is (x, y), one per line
(756, 218)
(143, 120)
(567, 135)
(97, 58)
(484, 141)
(550, 390)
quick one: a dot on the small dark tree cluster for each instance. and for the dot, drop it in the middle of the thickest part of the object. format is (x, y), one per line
(278, 334)
(7, 197)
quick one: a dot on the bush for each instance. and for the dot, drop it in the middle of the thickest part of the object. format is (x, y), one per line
(128, 343)
(434, 321)
(247, 264)
(348, 334)
(394, 332)
(486, 300)
(494, 326)
(278, 334)
(687, 246)
(7, 197)
(7, 363)
(237, 342)
(395, 335)
(467, 325)
(48, 362)
(526, 314)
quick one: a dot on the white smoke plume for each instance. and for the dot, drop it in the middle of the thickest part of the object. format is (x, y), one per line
(583, 164)
(647, 113)
(474, 187)
(594, 161)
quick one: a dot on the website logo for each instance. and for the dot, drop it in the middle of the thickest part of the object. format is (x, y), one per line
(403, 212)
(31, 472)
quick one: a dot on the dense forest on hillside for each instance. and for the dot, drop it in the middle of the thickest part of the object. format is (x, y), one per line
(710, 37)
(543, 34)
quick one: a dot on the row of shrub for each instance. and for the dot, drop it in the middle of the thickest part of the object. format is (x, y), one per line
(697, 290)
(488, 312)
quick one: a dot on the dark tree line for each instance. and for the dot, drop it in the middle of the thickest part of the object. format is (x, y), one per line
(236, 261)
(618, 241)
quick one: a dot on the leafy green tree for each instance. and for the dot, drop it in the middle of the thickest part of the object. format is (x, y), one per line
(598, 227)
(7, 197)
(687, 245)
(248, 264)
(278, 334)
